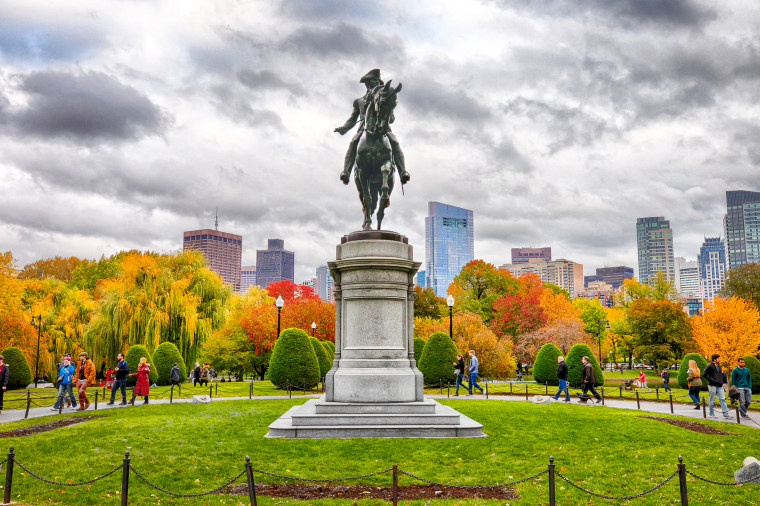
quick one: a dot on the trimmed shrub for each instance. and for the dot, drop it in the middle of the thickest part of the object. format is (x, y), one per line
(419, 347)
(329, 351)
(683, 371)
(575, 365)
(437, 357)
(293, 358)
(322, 357)
(545, 365)
(19, 373)
(164, 357)
(330, 345)
(133, 360)
(753, 365)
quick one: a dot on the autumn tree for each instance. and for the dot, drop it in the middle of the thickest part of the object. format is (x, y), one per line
(660, 328)
(89, 273)
(478, 285)
(562, 333)
(56, 267)
(729, 327)
(515, 315)
(427, 303)
(290, 291)
(744, 281)
(10, 286)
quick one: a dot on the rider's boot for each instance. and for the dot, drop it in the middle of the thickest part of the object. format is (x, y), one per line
(348, 164)
(398, 158)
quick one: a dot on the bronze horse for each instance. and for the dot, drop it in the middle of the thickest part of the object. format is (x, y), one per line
(374, 162)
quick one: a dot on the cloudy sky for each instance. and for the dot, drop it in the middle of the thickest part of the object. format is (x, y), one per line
(123, 123)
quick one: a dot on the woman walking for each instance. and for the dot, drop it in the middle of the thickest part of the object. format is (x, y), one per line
(694, 382)
(142, 387)
(459, 371)
(643, 380)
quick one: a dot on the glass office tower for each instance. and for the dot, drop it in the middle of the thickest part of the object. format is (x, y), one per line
(449, 244)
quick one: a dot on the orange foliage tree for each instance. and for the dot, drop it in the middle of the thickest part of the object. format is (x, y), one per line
(729, 327)
(57, 267)
(15, 331)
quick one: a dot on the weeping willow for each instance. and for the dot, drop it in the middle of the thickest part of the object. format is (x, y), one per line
(158, 298)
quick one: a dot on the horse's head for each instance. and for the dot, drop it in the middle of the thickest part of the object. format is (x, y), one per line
(380, 111)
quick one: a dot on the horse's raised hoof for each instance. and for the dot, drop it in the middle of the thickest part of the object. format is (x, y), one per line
(405, 177)
(345, 177)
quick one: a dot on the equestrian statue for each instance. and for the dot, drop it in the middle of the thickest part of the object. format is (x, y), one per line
(374, 151)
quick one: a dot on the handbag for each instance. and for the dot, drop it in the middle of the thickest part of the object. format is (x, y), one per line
(457, 372)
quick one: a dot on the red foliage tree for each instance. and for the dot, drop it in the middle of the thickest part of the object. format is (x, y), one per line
(515, 315)
(290, 291)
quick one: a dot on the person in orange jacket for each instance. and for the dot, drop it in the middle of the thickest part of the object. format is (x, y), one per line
(84, 375)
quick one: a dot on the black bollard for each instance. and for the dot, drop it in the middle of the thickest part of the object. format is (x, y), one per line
(250, 391)
(602, 392)
(621, 392)
(551, 482)
(638, 404)
(486, 389)
(704, 408)
(395, 485)
(9, 476)
(210, 390)
(682, 481)
(28, 405)
(671, 403)
(657, 392)
(171, 394)
(526, 391)
(125, 480)
(738, 418)
(251, 484)
(96, 399)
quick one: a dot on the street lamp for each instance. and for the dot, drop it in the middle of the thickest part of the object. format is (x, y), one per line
(598, 337)
(39, 334)
(450, 303)
(313, 328)
(279, 303)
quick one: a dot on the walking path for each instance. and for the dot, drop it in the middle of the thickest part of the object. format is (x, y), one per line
(684, 410)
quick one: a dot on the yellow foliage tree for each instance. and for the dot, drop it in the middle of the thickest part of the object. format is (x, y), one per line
(729, 327)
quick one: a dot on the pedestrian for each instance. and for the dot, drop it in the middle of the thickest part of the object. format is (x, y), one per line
(64, 380)
(742, 380)
(174, 375)
(643, 380)
(589, 378)
(120, 380)
(694, 382)
(85, 376)
(666, 380)
(473, 370)
(109, 378)
(714, 376)
(197, 374)
(142, 387)
(458, 372)
(5, 373)
(562, 378)
(211, 373)
(204, 375)
(56, 384)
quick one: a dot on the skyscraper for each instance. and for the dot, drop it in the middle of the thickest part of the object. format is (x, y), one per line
(687, 277)
(523, 255)
(741, 227)
(563, 273)
(247, 277)
(324, 282)
(223, 252)
(712, 266)
(612, 275)
(274, 263)
(449, 244)
(654, 239)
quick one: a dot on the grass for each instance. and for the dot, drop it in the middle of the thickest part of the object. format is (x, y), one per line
(192, 448)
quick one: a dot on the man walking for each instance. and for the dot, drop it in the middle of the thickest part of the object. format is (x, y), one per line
(85, 376)
(589, 378)
(742, 380)
(666, 380)
(174, 375)
(120, 380)
(57, 384)
(64, 379)
(562, 377)
(473, 370)
(5, 373)
(714, 376)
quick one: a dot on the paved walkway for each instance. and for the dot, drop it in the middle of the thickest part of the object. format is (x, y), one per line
(684, 410)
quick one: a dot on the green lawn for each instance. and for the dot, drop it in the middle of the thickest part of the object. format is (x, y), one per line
(191, 448)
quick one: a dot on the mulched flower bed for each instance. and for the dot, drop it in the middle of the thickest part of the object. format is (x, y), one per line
(44, 427)
(695, 426)
(307, 491)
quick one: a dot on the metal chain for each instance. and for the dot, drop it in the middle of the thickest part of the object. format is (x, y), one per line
(217, 489)
(498, 485)
(61, 484)
(726, 483)
(623, 497)
(321, 479)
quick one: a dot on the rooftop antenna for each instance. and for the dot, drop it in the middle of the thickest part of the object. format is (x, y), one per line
(216, 220)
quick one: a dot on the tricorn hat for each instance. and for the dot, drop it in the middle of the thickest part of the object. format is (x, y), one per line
(372, 74)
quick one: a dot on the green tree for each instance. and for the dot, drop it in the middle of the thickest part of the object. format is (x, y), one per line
(478, 285)
(753, 364)
(744, 281)
(164, 358)
(19, 373)
(322, 358)
(427, 303)
(293, 359)
(419, 346)
(660, 328)
(575, 365)
(683, 371)
(437, 358)
(545, 365)
(132, 357)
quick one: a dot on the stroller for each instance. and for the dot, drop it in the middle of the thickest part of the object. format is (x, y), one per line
(630, 384)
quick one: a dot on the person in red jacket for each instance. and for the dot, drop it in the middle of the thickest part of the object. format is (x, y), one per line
(643, 380)
(84, 375)
(142, 387)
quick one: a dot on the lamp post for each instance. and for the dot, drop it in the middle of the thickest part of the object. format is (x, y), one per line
(39, 335)
(598, 337)
(279, 303)
(313, 328)
(450, 303)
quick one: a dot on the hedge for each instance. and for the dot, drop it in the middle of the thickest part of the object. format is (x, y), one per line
(753, 364)
(331, 345)
(683, 371)
(133, 360)
(330, 351)
(164, 357)
(19, 373)
(322, 357)
(437, 357)
(293, 359)
(419, 347)
(545, 365)
(575, 365)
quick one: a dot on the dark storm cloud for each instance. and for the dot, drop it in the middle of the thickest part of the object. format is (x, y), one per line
(429, 98)
(237, 106)
(267, 80)
(332, 9)
(22, 41)
(87, 106)
(342, 40)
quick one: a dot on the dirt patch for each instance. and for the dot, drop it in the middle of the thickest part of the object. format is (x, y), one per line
(695, 426)
(307, 491)
(44, 427)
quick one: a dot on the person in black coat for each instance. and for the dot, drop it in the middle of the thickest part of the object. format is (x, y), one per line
(589, 378)
(562, 377)
(459, 371)
(4, 375)
(714, 376)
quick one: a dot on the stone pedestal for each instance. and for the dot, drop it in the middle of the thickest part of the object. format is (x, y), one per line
(374, 388)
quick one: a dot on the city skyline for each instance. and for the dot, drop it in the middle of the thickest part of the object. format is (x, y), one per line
(122, 123)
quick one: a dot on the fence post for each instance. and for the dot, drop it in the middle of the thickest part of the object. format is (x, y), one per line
(251, 484)
(250, 391)
(510, 387)
(657, 392)
(682, 481)
(9, 477)
(290, 392)
(125, 480)
(551, 481)
(486, 389)
(526, 391)
(620, 387)
(738, 418)
(440, 384)
(216, 388)
(28, 405)
(671, 403)
(638, 404)
(395, 485)
(210, 391)
(171, 394)
(60, 401)
(179, 390)
(602, 389)
(704, 408)
(448, 390)
(96, 399)
(546, 388)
